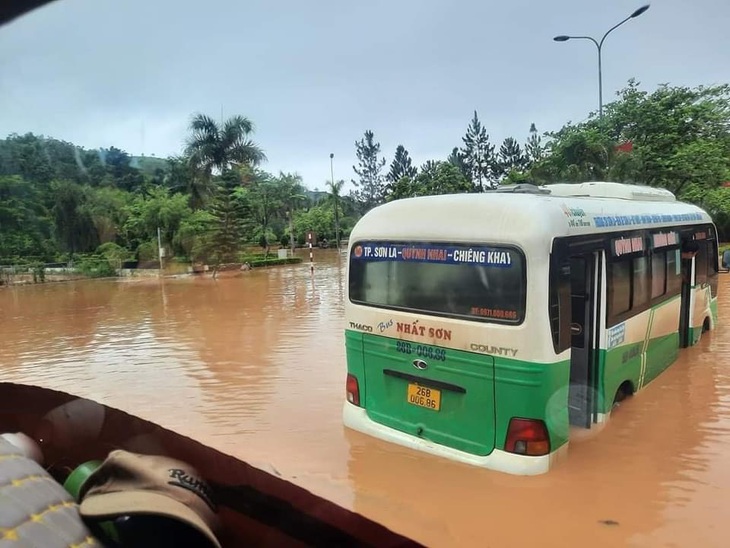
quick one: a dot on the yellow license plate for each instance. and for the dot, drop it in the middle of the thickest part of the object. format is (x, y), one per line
(423, 396)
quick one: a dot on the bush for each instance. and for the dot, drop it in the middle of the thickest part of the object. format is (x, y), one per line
(94, 266)
(248, 257)
(274, 262)
(147, 253)
(113, 253)
(39, 272)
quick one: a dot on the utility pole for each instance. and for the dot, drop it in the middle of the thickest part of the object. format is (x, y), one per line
(335, 198)
(160, 251)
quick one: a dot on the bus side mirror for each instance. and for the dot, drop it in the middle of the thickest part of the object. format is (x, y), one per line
(726, 260)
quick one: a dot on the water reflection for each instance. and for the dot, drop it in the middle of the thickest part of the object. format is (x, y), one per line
(231, 362)
(70, 316)
(254, 366)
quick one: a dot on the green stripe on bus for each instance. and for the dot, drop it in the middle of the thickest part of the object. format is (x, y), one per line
(623, 363)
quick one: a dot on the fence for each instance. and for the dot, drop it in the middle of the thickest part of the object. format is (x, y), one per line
(29, 272)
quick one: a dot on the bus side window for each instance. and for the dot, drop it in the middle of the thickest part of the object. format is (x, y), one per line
(674, 273)
(658, 274)
(619, 288)
(560, 305)
(641, 284)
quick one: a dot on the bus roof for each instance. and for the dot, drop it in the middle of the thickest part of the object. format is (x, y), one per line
(525, 213)
(602, 189)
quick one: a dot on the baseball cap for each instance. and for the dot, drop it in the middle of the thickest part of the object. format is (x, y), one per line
(129, 484)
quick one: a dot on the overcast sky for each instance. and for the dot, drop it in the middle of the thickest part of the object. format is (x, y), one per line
(313, 76)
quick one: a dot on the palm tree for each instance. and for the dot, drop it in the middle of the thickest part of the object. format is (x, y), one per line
(213, 148)
(335, 189)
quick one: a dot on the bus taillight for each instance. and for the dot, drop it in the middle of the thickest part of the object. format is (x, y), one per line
(527, 437)
(353, 390)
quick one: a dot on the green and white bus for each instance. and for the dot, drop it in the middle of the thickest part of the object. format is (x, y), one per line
(481, 327)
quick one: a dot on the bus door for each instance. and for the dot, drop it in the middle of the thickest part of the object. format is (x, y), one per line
(689, 250)
(584, 287)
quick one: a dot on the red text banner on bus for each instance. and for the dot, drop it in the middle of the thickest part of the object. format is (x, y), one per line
(483, 256)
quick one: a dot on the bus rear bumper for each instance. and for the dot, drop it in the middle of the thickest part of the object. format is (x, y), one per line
(357, 419)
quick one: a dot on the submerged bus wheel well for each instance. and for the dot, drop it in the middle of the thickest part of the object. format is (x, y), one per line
(625, 390)
(706, 325)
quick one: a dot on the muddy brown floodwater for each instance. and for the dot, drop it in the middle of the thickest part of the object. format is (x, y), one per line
(254, 366)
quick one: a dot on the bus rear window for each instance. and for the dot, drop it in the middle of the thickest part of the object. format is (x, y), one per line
(478, 283)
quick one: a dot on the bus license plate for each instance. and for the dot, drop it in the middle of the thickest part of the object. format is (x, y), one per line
(422, 396)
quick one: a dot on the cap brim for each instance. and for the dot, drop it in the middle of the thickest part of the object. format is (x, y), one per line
(143, 502)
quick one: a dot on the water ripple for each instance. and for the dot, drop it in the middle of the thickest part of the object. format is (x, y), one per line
(255, 366)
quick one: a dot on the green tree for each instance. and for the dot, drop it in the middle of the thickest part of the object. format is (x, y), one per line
(442, 178)
(193, 237)
(25, 227)
(264, 202)
(478, 154)
(370, 190)
(228, 211)
(405, 187)
(510, 158)
(673, 137)
(106, 208)
(74, 226)
(145, 214)
(213, 150)
(457, 159)
(575, 154)
(533, 148)
(118, 165)
(319, 218)
(402, 166)
(28, 156)
(679, 134)
(181, 178)
(716, 202)
(114, 254)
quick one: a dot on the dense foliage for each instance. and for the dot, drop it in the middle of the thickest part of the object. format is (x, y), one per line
(58, 200)
(675, 137)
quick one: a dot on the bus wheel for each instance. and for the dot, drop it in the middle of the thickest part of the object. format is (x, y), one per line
(706, 325)
(624, 391)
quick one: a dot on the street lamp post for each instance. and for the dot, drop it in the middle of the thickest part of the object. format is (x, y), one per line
(332, 168)
(599, 45)
(337, 217)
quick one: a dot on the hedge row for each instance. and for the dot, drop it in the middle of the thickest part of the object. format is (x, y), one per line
(275, 261)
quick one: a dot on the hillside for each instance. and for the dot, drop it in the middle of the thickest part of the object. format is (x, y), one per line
(149, 165)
